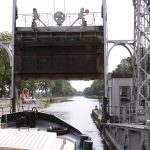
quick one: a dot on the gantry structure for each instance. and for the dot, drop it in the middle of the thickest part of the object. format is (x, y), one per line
(139, 46)
(139, 49)
(142, 47)
(56, 51)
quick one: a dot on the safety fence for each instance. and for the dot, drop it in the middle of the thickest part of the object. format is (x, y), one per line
(134, 112)
(69, 19)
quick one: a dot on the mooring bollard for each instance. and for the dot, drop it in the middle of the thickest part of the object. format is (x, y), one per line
(88, 145)
(82, 138)
(96, 107)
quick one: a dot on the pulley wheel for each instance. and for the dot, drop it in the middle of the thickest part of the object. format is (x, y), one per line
(59, 17)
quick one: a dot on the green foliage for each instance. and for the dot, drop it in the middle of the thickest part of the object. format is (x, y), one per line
(95, 88)
(5, 36)
(79, 93)
(46, 86)
(49, 87)
(46, 101)
(5, 69)
(62, 88)
(31, 85)
(125, 67)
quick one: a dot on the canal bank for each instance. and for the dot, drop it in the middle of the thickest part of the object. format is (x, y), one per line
(97, 116)
(123, 136)
(48, 100)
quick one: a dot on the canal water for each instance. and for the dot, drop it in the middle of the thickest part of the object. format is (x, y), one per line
(77, 112)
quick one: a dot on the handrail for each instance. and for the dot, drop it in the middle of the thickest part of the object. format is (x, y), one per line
(4, 110)
(92, 18)
(133, 112)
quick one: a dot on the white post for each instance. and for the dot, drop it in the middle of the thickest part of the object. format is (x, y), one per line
(105, 45)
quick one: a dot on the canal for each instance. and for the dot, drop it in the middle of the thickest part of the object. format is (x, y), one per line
(77, 112)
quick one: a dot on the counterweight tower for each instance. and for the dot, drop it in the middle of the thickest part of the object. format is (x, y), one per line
(142, 48)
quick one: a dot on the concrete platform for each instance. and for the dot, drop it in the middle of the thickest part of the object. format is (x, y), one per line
(97, 116)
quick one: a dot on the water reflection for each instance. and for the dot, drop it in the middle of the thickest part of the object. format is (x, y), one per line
(77, 112)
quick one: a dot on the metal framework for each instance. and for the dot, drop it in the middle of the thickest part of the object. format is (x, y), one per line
(128, 44)
(141, 46)
(141, 52)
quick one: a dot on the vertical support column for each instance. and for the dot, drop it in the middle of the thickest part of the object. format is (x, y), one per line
(105, 105)
(13, 97)
(105, 46)
(144, 142)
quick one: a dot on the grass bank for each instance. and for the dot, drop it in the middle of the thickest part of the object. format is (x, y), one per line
(95, 97)
(47, 100)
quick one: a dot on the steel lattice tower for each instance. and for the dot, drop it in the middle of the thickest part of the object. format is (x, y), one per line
(142, 48)
(141, 51)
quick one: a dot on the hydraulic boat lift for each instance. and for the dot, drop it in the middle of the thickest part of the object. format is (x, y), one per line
(81, 52)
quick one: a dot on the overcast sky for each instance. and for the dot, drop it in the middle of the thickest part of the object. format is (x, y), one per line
(120, 21)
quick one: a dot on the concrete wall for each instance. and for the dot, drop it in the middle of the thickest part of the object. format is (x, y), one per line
(127, 136)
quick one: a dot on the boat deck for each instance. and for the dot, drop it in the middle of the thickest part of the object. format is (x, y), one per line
(34, 140)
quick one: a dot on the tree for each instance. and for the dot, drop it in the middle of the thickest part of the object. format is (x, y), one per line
(64, 88)
(125, 67)
(95, 88)
(31, 85)
(46, 86)
(56, 88)
(5, 69)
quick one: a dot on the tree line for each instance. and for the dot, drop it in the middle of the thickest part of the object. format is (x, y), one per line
(95, 89)
(48, 87)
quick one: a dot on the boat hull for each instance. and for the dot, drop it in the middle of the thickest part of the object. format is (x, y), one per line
(47, 123)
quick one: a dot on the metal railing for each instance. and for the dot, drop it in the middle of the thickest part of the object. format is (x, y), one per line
(92, 19)
(134, 112)
(6, 106)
